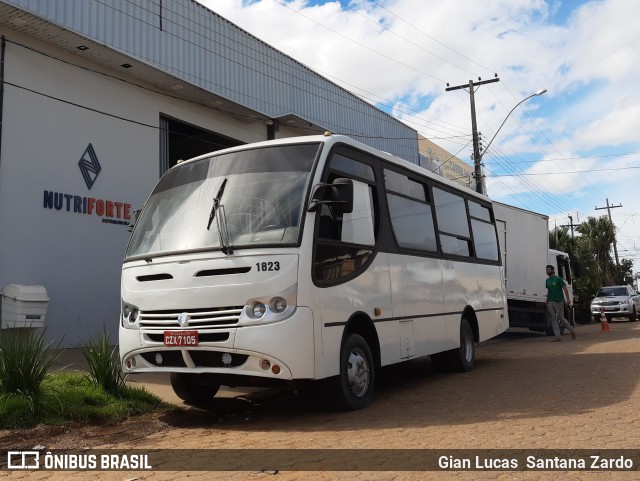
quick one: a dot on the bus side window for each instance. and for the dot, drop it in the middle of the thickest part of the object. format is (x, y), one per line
(453, 223)
(345, 242)
(328, 225)
(357, 226)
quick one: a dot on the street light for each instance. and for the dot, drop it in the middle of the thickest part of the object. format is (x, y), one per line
(479, 181)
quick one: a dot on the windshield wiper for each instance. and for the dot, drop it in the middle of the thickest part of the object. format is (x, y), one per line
(223, 232)
(216, 203)
(221, 220)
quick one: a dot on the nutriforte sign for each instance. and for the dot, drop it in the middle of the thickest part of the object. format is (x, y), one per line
(111, 211)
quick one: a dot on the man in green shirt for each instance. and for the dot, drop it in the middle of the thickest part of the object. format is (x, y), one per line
(556, 291)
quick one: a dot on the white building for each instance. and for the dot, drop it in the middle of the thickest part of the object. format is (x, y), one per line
(98, 98)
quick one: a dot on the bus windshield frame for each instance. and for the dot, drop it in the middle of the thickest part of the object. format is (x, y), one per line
(235, 200)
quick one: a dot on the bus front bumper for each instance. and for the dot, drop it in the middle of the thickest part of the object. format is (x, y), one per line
(282, 350)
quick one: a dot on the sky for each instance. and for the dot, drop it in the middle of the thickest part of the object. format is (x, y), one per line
(567, 152)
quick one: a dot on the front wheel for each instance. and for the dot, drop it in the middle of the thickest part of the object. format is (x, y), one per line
(633, 317)
(357, 373)
(193, 388)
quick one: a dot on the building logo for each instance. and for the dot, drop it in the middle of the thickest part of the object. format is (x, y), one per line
(112, 212)
(89, 166)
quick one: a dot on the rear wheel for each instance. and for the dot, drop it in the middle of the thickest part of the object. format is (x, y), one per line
(633, 317)
(193, 388)
(357, 373)
(462, 358)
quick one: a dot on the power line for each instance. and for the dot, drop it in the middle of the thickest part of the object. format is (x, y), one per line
(346, 5)
(232, 41)
(360, 44)
(435, 40)
(606, 156)
(609, 207)
(565, 172)
(593, 187)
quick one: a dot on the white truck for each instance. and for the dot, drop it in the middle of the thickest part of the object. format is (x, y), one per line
(524, 244)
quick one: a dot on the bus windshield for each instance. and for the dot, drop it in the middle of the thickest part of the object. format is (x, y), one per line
(243, 199)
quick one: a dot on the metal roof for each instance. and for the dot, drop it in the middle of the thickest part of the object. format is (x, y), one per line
(189, 51)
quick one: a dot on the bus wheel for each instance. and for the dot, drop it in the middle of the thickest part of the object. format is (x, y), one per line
(192, 389)
(463, 358)
(357, 373)
(460, 359)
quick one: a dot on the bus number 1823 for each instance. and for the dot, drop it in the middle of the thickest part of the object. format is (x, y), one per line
(268, 266)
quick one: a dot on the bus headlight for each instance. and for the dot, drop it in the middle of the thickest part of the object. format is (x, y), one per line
(258, 310)
(278, 304)
(129, 316)
(270, 308)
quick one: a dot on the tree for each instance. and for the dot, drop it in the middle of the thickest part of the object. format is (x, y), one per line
(560, 239)
(594, 247)
(623, 274)
(592, 251)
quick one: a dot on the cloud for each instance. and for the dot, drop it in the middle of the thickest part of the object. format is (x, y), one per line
(400, 54)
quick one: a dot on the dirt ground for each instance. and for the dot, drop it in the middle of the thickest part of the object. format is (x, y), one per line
(525, 392)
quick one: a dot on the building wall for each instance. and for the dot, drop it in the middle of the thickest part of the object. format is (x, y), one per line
(58, 102)
(194, 44)
(438, 160)
(77, 257)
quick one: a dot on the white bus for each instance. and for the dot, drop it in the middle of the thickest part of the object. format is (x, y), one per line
(304, 259)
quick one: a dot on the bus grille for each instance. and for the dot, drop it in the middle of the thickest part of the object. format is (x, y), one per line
(198, 318)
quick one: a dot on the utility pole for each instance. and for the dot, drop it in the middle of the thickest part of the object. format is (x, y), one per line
(477, 157)
(570, 224)
(615, 247)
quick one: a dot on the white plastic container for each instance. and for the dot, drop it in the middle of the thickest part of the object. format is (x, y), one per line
(24, 306)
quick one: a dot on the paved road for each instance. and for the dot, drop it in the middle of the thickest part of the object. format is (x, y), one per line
(525, 393)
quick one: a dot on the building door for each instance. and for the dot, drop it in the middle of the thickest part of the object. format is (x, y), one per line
(182, 141)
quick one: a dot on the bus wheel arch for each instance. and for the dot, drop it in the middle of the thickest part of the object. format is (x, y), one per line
(470, 315)
(359, 359)
(462, 358)
(361, 324)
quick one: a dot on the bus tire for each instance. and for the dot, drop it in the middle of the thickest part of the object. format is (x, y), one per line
(460, 359)
(463, 358)
(191, 389)
(357, 373)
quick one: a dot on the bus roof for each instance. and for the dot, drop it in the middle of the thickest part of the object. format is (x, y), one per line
(330, 139)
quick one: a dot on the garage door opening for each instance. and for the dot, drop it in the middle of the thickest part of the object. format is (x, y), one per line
(182, 141)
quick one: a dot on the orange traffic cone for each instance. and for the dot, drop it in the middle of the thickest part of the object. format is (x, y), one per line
(604, 324)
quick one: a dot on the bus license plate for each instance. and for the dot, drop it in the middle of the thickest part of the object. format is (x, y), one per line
(180, 338)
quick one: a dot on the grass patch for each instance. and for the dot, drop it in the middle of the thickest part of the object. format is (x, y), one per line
(24, 361)
(30, 394)
(72, 396)
(104, 366)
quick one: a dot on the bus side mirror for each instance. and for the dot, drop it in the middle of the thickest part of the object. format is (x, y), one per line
(338, 195)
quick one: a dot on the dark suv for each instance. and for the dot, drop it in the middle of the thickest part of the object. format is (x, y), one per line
(616, 301)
